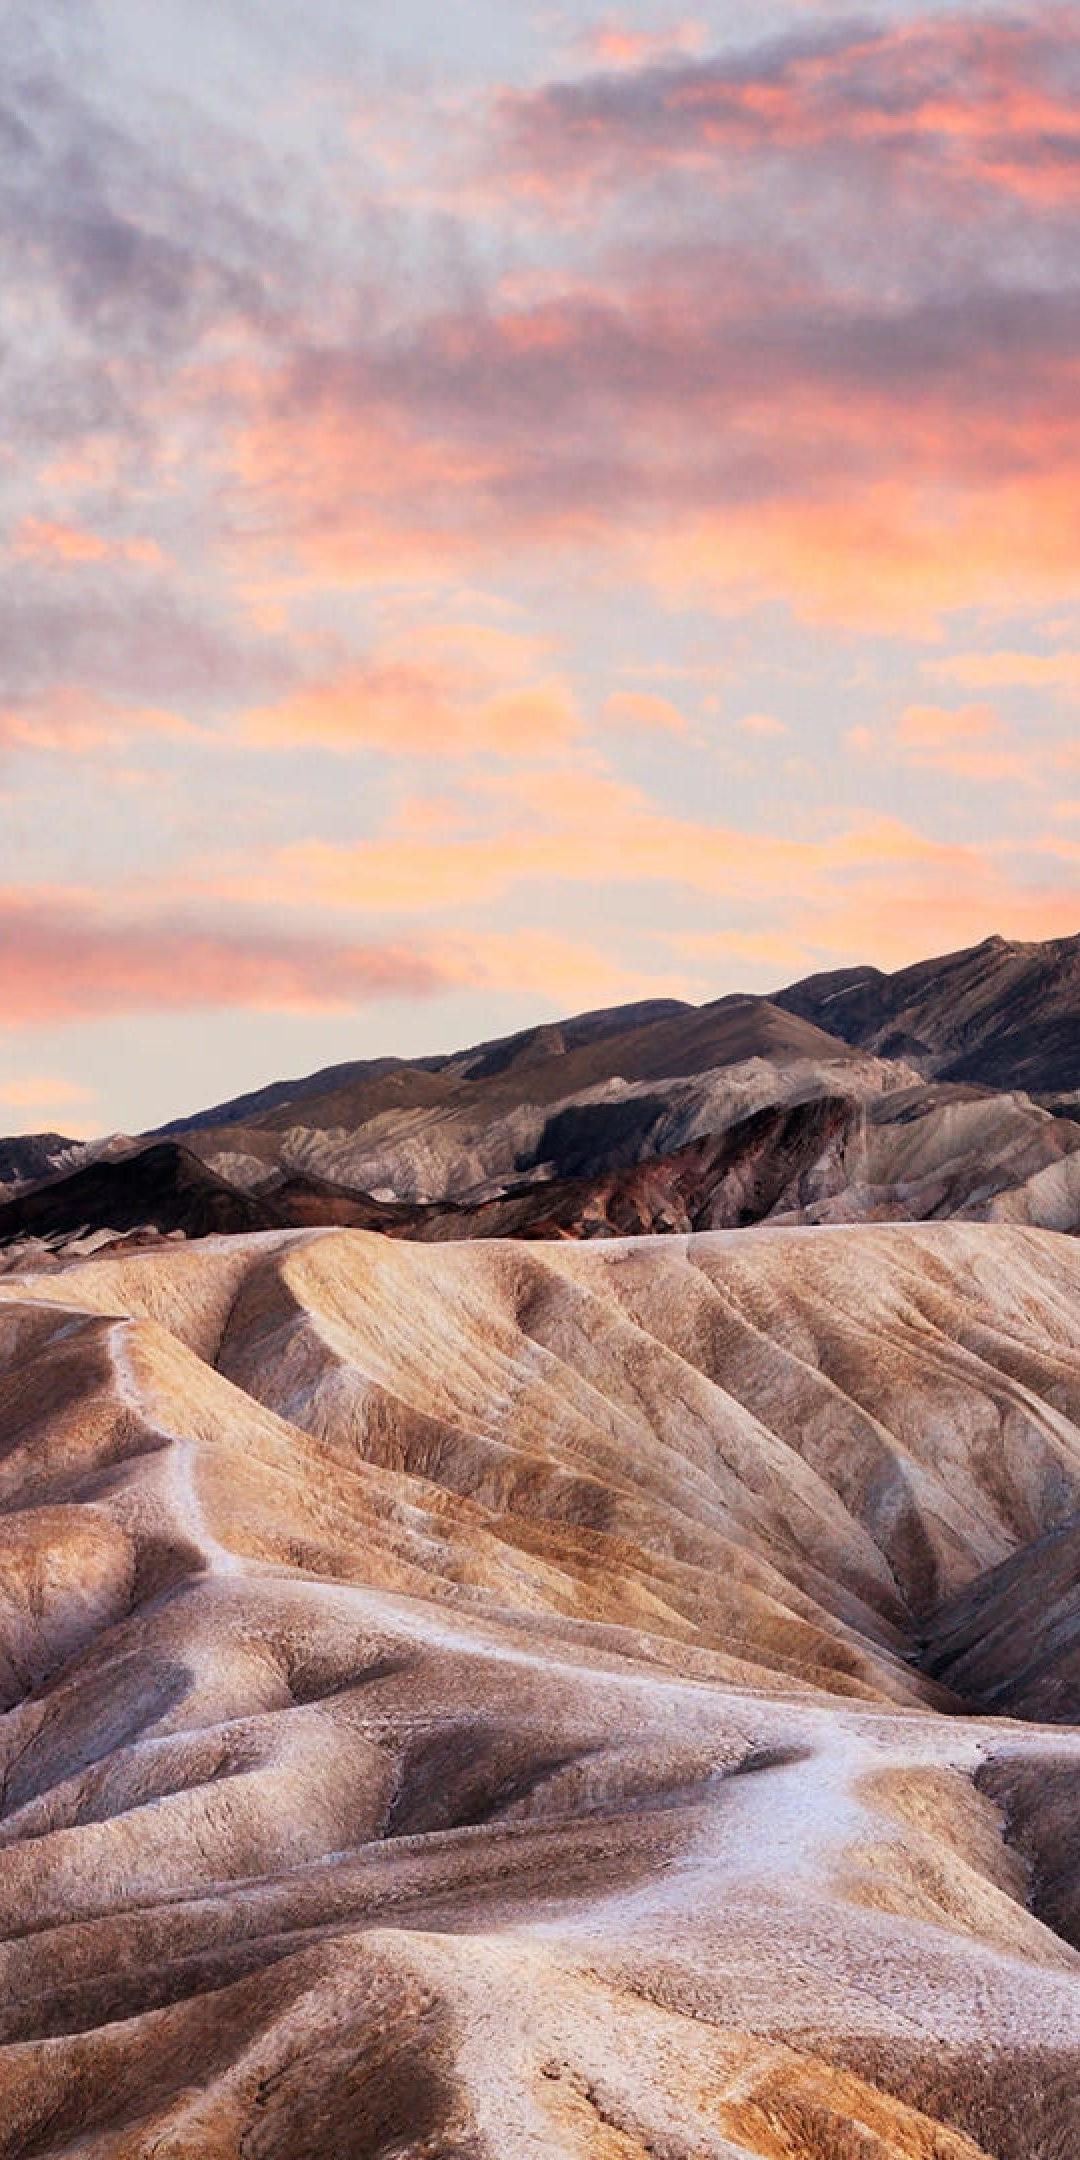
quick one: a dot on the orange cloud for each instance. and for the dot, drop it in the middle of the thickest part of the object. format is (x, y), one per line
(900, 920)
(645, 709)
(891, 554)
(570, 972)
(871, 885)
(1058, 844)
(45, 540)
(447, 690)
(716, 950)
(561, 828)
(22, 1093)
(77, 722)
(44, 1102)
(967, 741)
(763, 724)
(1012, 670)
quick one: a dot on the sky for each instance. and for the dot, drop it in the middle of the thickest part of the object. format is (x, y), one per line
(507, 509)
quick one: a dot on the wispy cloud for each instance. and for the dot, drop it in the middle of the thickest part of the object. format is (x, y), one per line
(65, 957)
(47, 1102)
(969, 742)
(448, 690)
(1048, 671)
(964, 101)
(76, 722)
(556, 831)
(647, 710)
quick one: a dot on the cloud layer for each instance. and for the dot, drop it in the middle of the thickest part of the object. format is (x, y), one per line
(468, 481)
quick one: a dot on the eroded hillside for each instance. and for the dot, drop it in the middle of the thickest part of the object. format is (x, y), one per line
(474, 1699)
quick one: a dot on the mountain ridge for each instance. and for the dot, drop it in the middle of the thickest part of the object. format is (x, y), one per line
(997, 1012)
(624, 1116)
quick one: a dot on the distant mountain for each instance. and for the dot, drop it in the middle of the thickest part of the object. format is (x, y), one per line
(855, 1096)
(30, 1156)
(776, 1158)
(634, 1042)
(162, 1188)
(363, 1077)
(1006, 1015)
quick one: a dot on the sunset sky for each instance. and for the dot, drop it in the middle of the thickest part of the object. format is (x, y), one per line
(509, 508)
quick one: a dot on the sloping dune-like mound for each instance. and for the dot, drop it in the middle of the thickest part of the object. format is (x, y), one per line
(489, 1700)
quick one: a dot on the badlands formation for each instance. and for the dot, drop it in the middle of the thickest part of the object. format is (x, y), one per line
(949, 1090)
(477, 1700)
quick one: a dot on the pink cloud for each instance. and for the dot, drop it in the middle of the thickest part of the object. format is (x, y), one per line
(718, 435)
(49, 541)
(951, 101)
(616, 44)
(65, 957)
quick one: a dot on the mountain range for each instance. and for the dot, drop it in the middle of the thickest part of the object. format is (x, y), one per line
(950, 1089)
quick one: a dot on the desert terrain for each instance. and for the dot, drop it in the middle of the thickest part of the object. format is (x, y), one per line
(591, 1698)
(946, 1091)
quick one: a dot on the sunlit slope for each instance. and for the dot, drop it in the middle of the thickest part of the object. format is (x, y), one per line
(893, 1407)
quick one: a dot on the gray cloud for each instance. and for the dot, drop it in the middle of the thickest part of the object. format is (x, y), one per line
(843, 88)
(136, 639)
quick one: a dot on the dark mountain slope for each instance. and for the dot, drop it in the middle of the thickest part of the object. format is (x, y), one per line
(32, 1155)
(771, 1161)
(1004, 1014)
(547, 1065)
(363, 1076)
(1010, 1642)
(162, 1188)
(766, 1161)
